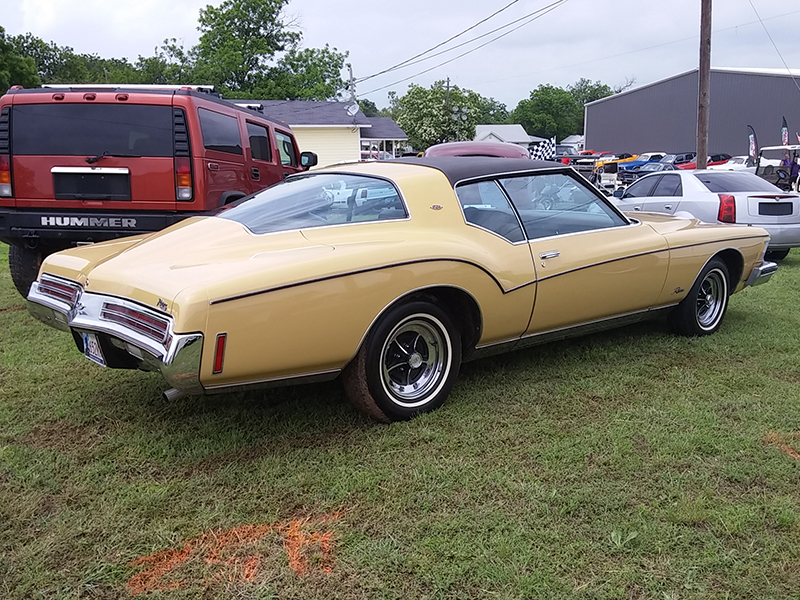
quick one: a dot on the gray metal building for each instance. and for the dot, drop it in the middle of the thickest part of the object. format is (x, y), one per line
(662, 116)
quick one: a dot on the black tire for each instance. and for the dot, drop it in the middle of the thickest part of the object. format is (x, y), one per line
(703, 309)
(776, 254)
(24, 265)
(407, 364)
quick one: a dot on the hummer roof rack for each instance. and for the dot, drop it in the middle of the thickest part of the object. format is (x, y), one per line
(209, 89)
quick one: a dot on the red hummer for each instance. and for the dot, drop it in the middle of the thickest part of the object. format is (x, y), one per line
(83, 164)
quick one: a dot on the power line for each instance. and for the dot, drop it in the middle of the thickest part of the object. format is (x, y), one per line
(412, 61)
(542, 13)
(405, 62)
(607, 57)
(774, 45)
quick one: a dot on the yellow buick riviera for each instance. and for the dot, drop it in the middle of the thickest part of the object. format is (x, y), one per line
(389, 274)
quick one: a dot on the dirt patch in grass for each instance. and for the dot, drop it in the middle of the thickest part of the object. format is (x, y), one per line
(64, 436)
(788, 443)
(238, 556)
(320, 441)
(9, 309)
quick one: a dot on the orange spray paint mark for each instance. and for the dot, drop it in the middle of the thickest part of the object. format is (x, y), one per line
(781, 443)
(300, 537)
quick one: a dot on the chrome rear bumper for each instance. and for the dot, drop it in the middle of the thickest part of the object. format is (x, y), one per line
(178, 357)
(762, 273)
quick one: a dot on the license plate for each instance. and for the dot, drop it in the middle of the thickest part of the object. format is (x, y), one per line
(92, 349)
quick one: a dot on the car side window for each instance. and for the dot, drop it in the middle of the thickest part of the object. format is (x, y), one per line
(259, 142)
(670, 185)
(641, 188)
(220, 132)
(286, 148)
(556, 204)
(486, 206)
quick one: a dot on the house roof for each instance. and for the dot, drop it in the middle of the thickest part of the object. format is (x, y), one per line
(311, 112)
(515, 134)
(384, 128)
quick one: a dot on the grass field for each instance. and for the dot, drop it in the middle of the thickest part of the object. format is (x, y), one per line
(628, 465)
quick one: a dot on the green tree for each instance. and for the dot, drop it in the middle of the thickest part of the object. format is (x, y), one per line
(15, 68)
(170, 64)
(427, 115)
(550, 111)
(368, 108)
(247, 49)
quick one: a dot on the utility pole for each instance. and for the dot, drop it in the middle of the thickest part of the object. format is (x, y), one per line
(704, 77)
(352, 84)
(447, 107)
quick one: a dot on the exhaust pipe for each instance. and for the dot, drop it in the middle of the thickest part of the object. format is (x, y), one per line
(173, 394)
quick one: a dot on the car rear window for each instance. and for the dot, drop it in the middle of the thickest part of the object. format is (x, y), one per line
(317, 200)
(91, 130)
(732, 182)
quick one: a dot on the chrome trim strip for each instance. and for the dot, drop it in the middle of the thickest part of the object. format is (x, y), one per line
(316, 377)
(603, 262)
(359, 272)
(459, 260)
(542, 337)
(99, 170)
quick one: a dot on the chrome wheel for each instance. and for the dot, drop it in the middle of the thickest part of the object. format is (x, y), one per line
(416, 358)
(712, 298)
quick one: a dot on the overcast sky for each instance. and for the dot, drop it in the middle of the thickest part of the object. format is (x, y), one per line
(607, 40)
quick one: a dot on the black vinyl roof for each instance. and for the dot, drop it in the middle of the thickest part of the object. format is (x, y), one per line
(460, 168)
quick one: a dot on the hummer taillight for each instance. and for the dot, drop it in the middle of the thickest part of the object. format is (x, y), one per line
(183, 179)
(5, 176)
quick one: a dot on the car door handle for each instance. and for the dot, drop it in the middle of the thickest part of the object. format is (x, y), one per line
(668, 207)
(550, 254)
(637, 208)
(255, 173)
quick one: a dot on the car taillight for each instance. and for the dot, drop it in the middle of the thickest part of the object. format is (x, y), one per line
(183, 179)
(155, 328)
(727, 208)
(219, 352)
(5, 175)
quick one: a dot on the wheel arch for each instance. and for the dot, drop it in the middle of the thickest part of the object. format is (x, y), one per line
(462, 307)
(734, 260)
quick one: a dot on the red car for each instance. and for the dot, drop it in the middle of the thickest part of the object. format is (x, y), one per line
(714, 159)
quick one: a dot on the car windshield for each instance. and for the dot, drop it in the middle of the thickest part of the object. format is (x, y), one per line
(735, 181)
(317, 200)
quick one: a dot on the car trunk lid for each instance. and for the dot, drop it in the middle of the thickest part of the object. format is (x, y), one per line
(772, 208)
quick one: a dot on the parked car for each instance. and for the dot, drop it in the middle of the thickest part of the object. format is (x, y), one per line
(86, 163)
(734, 197)
(713, 159)
(565, 153)
(737, 163)
(467, 148)
(628, 176)
(394, 294)
(641, 159)
(678, 159)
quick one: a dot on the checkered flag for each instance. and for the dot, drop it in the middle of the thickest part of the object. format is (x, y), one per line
(545, 150)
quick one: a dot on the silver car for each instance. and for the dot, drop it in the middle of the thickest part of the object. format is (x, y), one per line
(734, 197)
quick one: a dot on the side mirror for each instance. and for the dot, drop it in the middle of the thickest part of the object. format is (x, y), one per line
(618, 193)
(308, 159)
